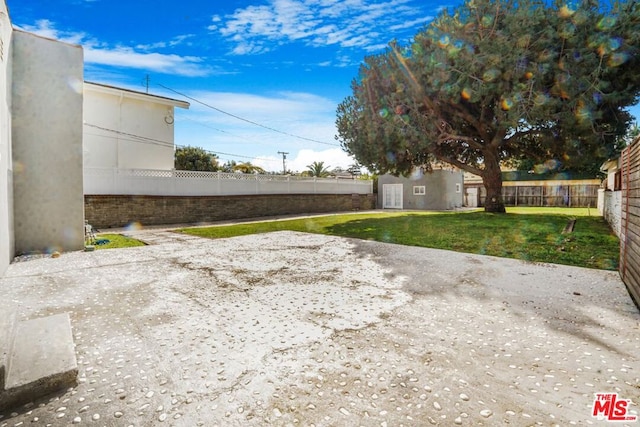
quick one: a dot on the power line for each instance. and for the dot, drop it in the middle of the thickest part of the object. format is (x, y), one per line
(247, 120)
(215, 128)
(146, 140)
(233, 155)
(139, 138)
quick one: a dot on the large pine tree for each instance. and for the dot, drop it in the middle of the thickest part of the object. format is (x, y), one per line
(499, 80)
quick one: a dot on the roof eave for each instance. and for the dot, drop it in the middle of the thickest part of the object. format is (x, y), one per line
(100, 87)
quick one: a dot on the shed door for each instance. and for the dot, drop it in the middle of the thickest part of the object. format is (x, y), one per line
(392, 196)
(471, 197)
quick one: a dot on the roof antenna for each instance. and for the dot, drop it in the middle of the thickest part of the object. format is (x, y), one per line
(146, 81)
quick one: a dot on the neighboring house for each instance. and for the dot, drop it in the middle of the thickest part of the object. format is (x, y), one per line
(41, 194)
(613, 171)
(126, 129)
(436, 190)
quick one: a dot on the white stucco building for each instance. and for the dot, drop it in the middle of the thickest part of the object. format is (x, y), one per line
(125, 129)
(41, 187)
(53, 125)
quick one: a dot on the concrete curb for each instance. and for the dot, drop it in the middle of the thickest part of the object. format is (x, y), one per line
(41, 360)
(7, 334)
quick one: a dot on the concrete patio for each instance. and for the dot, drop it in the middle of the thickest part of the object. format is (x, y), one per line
(299, 329)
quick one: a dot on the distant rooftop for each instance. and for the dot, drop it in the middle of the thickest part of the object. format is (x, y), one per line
(137, 94)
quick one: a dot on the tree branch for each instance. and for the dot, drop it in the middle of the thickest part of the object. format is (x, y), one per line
(468, 139)
(460, 165)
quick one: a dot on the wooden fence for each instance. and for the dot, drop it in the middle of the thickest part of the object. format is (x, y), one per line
(630, 221)
(572, 195)
(566, 193)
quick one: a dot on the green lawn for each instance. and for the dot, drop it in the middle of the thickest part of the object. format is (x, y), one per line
(117, 241)
(533, 234)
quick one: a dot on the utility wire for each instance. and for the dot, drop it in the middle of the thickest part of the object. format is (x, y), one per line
(215, 128)
(235, 155)
(119, 138)
(146, 140)
(246, 120)
(139, 138)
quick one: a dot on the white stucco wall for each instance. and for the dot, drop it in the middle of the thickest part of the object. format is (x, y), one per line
(127, 130)
(47, 144)
(6, 182)
(612, 210)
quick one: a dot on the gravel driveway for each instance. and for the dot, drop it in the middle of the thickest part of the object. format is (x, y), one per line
(300, 329)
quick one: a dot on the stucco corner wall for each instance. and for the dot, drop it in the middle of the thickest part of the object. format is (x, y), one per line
(6, 183)
(47, 144)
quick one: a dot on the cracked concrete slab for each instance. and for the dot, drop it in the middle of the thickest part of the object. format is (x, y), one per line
(299, 329)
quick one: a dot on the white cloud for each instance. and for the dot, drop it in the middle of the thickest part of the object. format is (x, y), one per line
(280, 105)
(366, 24)
(161, 63)
(302, 124)
(245, 48)
(298, 161)
(123, 56)
(46, 28)
(332, 158)
(411, 24)
(176, 41)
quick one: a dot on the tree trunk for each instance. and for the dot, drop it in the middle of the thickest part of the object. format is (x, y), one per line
(492, 180)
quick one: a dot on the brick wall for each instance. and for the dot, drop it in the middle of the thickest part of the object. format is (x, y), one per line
(118, 211)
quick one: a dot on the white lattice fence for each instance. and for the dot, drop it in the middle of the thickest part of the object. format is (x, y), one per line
(100, 181)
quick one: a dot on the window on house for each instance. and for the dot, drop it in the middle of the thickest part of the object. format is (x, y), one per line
(458, 188)
(419, 190)
(617, 181)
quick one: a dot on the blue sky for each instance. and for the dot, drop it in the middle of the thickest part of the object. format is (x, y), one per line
(283, 64)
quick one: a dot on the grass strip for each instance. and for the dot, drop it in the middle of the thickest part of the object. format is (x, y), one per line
(117, 241)
(531, 234)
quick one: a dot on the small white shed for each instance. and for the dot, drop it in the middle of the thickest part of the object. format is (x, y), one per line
(436, 190)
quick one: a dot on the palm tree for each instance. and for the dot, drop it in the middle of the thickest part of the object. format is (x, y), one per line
(247, 167)
(318, 169)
